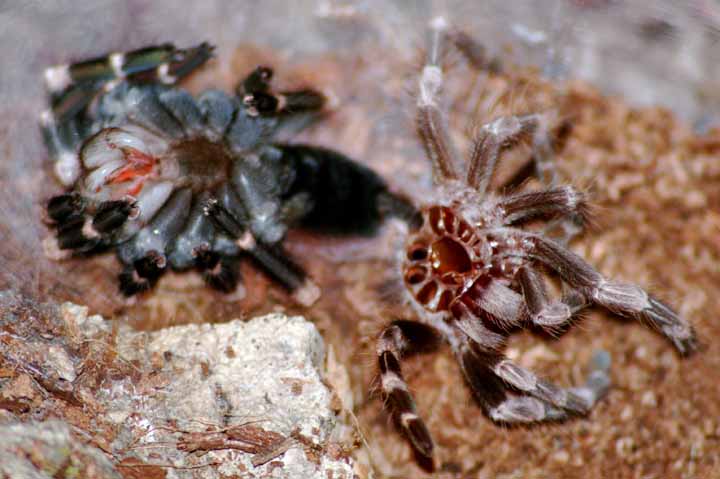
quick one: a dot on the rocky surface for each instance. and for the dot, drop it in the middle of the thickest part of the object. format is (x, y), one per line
(48, 450)
(247, 398)
(239, 399)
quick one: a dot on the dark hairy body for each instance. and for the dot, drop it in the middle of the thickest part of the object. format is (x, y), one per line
(173, 181)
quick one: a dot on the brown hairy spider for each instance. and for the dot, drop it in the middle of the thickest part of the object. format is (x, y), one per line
(472, 273)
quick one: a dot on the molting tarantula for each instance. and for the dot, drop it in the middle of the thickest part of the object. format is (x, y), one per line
(170, 180)
(472, 272)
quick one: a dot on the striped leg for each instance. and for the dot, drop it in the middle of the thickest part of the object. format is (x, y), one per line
(474, 52)
(265, 112)
(257, 95)
(493, 139)
(548, 137)
(73, 87)
(578, 400)
(85, 234)
(624, 299)
(556, 202)
(397, 340)
(62, 141)
(547, 141)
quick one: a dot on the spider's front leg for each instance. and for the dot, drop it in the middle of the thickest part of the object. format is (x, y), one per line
(561, 202)
(430, 123)
(400, 339)
(547, 138)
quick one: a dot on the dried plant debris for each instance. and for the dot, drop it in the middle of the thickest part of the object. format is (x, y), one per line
(200, 400)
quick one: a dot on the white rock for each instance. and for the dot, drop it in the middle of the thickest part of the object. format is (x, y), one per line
(47, 450)
(267, 372)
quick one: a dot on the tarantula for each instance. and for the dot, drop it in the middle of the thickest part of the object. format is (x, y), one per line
(471, 273)
(170, 180)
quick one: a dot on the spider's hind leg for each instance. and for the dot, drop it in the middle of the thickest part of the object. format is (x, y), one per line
(625, 299)
(271, 258)
(511, 394)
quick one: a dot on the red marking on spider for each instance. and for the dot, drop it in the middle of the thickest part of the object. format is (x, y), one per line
(138, 164)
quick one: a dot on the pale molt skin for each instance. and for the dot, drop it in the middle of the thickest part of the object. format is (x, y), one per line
(472, 271)
(169, 180)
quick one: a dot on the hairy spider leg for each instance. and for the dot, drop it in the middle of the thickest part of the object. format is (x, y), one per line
(511, 394)
(545, 143)
(550, 315)
(294, 109)
(475, 52)
(271, 258)
(493, 138)
(430, 124)
(544, 204)
(480, 321)
(624, 299)
(396, 341)
(164, 64)
(507, 392)
(73, 87)
(144, 253)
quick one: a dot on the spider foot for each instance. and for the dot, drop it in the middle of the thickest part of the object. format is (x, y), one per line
(143, 273)
(597, 383)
